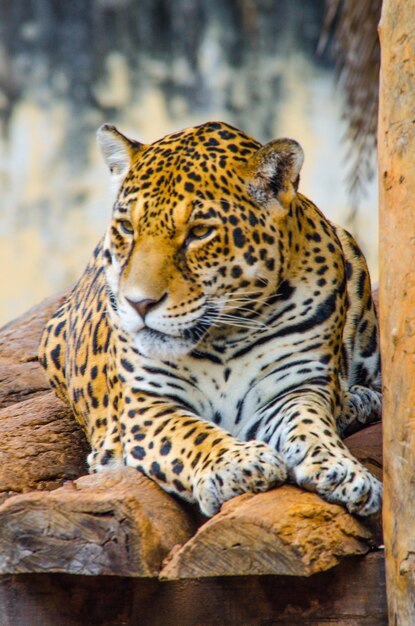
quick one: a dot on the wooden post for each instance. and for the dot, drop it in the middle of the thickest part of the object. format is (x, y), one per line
(397, 300)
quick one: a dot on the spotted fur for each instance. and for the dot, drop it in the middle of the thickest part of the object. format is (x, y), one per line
(223, 336)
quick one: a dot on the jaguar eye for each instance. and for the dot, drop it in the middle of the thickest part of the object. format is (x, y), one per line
(200, 232)
(126, 227)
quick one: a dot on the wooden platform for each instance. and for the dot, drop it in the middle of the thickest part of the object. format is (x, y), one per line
(352, 594)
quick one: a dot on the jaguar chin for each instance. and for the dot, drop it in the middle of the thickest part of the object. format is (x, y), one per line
(153, 344)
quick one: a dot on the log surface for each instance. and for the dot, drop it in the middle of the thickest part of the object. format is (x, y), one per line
(116, 522)
(283, 531)
(396, 140)
(41, 446)
(352, 594)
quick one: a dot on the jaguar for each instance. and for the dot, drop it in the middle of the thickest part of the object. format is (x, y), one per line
(223, 337)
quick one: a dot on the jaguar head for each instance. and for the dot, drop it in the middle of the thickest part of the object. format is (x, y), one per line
(198, 241)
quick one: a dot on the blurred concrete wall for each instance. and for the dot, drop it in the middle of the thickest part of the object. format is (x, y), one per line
(151, 67)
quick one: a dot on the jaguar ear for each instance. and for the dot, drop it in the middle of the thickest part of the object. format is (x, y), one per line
(274, 171)
(118, 151)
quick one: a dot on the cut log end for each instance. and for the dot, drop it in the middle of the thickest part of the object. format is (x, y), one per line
(116, 522)
(283, 531)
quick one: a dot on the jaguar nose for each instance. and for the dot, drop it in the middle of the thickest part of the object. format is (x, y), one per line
(144, 306)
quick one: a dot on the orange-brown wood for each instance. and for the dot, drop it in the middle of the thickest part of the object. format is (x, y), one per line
(283, 531)
(397, 300)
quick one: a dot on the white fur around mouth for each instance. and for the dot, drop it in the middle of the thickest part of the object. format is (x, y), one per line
(154, 344)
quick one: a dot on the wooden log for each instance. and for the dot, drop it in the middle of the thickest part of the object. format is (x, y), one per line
(366, 445)
(20, 381)
(283, 531)
(396, 141)
(352, 594)
(114, 522)
(41, 446)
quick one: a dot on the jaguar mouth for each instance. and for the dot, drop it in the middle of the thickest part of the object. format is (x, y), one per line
(156, 344)
(193, 334)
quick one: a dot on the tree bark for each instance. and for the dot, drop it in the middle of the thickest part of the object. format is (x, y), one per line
(41, 446)
(397, 300)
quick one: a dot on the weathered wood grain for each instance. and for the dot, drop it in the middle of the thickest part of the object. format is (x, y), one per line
(115, 522)
(366, 445)
(20, 381)
(283, 531)
(41, 446)
(21, 376)
(351, 594)
(396, 140)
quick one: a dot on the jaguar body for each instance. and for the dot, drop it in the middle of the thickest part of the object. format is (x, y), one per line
(223, 336)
